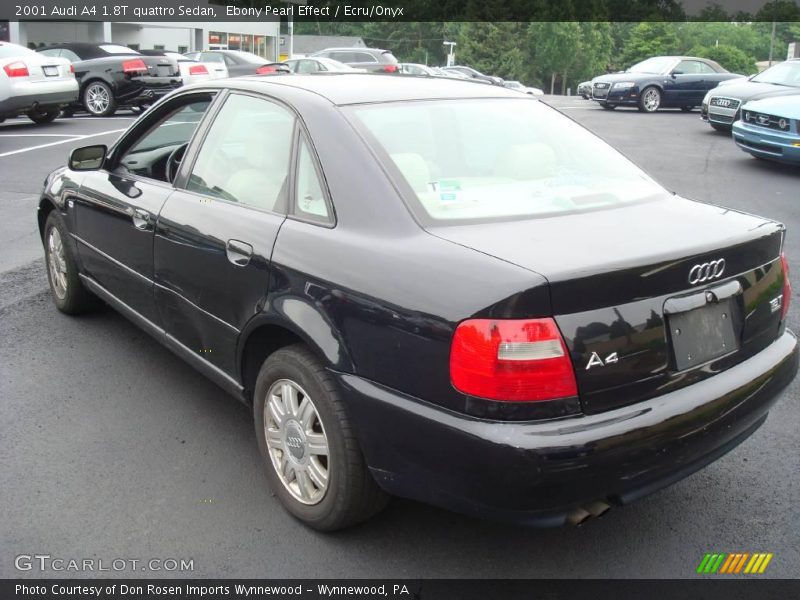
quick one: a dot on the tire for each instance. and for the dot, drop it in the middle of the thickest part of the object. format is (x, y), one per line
(347, 494)
(43, 117)
(69, 295)
(650, 99)
(67, 113)
(608, 106)
(98, 99)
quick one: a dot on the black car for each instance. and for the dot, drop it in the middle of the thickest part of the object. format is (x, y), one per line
(112, 76)
(374, 60)
(722, 105)
(660, 82)
(429, 288)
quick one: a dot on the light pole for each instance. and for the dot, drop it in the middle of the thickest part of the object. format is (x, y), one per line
(451, 54)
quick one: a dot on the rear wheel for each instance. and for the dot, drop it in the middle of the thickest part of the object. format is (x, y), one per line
(313, 460)
(41, 117)
(98, 99)
(650, 99)
(68, 293)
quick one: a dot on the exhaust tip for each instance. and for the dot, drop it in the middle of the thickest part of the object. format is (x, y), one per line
(593, 510)
(578, 516)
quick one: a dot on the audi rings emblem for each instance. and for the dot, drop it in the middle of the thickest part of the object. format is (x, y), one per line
(707, 271)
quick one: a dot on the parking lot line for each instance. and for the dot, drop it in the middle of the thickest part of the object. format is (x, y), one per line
(72, 139)
(73, 135)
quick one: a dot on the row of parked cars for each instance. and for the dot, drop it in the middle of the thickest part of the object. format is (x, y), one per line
(762, 111)
(100, 78)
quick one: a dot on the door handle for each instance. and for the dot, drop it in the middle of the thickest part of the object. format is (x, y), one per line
(238, 253)
(141, 219)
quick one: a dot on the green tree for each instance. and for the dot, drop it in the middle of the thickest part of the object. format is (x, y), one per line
(493, 48)
(729, 57)
(556, 47)
(650, 39)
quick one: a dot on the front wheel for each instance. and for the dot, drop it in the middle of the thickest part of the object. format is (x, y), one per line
(41, 117)
(313, 460)
(650, 99)
(68, 293)
(98, 99)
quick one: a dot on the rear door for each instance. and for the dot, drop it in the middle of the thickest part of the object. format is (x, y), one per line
(215, 234)
(118, 205)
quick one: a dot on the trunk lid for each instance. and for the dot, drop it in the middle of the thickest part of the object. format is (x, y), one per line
(161, 66)
(620, 290)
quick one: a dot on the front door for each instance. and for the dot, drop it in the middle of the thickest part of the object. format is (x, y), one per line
(215, 234)
(117, 207)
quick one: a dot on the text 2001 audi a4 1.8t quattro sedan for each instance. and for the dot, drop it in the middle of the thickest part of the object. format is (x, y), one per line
(431, 289)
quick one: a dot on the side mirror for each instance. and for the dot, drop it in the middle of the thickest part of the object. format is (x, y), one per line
(676, 73)
(88, 158)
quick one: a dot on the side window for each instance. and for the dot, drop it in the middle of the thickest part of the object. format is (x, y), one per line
(363, 57)
(310, 200)
(54, 52)
(344, 57)
(306, 66)
(214, 57)
(245, 156)
(690, 67)
(229, 61)
(705, 68)
(157, 154)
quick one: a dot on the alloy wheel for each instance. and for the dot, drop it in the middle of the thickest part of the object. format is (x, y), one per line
(97, 99)
(57, 263)
(651, 99)
(296, 441)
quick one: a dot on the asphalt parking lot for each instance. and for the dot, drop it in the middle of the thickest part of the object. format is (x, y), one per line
(114, 448)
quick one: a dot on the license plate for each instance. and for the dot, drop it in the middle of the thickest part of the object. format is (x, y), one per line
(703, 334)
(164, 71)
(50, 71)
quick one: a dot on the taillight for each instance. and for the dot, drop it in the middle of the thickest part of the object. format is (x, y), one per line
(511, 360)
(787, 287)
(198, 70)
(135, 65)
(72, 68)
(390, 68)
(16, 69)
(263, 70)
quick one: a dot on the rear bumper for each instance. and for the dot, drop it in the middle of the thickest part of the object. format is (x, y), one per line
(147, 90)
(538, 472)
(39, 96)
(767, 143)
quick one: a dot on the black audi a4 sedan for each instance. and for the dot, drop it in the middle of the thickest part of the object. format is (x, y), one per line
(429, 288)
(111, 76)
(660, 82)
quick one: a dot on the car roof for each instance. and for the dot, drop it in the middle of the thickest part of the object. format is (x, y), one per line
(361, 88)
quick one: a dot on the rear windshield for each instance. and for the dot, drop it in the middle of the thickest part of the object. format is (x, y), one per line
(115, 49)
(468, 160)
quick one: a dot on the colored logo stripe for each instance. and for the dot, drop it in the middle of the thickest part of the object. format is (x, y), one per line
(735, 563)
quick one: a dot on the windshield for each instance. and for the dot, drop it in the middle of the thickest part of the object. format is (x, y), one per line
(658, 64)
(786, 73)
(478, 159)
(12, 50)
(335, 65)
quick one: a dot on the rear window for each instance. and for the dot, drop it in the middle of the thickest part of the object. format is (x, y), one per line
(114, 49)
(468, 160)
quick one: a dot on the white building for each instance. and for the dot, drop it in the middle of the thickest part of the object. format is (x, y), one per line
(259, 37)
